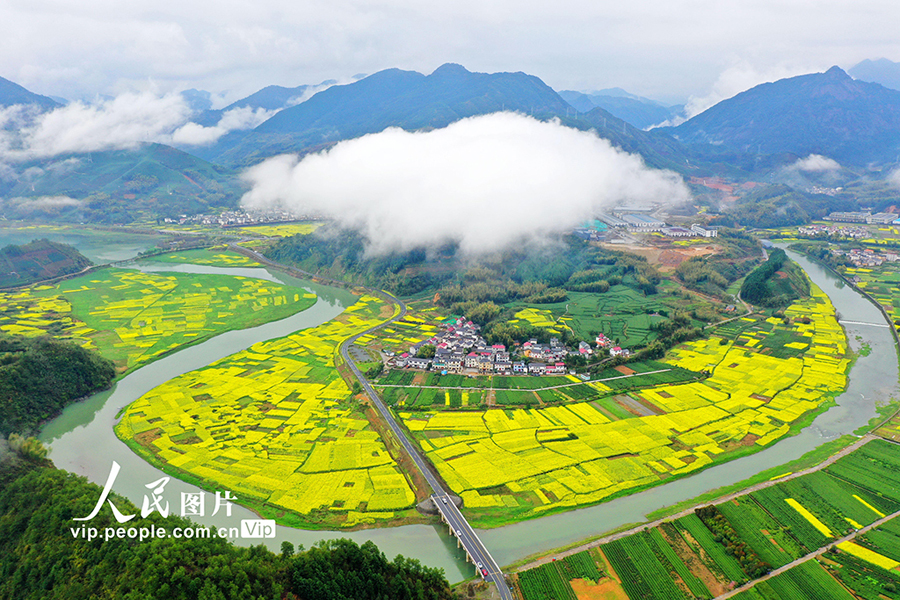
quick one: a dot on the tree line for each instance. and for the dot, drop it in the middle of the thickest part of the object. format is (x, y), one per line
(40, 376)
(40, 559)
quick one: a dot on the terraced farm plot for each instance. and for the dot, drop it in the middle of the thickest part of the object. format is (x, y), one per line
(275, 425)
(536, 317)
(621, 314)
(133, 317)
(510, 464)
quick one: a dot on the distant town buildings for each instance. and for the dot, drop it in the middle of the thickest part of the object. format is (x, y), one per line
(866, 257)
(236, 218)
(882, 218)
(848, 231)
(704, 231)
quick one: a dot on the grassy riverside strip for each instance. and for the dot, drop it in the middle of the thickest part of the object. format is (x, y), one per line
(790, 520)
(767, 376)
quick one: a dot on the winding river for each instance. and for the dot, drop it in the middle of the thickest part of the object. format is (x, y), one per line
(81, 440)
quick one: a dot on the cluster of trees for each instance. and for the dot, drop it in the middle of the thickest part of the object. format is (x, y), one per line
(712, 274)
(39, 558)
(341, 254)
(534, 274)
(761, 287)
(725, 534)
(40, 376)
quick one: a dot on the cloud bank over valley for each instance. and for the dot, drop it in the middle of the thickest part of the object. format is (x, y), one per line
(485, 182)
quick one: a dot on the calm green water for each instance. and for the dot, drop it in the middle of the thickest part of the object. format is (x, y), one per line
(81, 440)
(99, 246)
(872, 379)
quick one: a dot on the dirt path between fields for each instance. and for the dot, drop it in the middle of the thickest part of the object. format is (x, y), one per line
(803, 559)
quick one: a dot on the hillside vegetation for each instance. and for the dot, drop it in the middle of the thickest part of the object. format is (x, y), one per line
(38, 260)
(776, 282)
(40, 559)
(40, 376)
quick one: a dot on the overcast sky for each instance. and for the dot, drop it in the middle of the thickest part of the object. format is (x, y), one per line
(666, 49)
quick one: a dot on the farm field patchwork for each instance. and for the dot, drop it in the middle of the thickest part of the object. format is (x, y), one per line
(133, 317)
(415, 390)
(418, 325)
(215, 257)
(276, 425)
(704, 554)
(283, 230)
(517, 463)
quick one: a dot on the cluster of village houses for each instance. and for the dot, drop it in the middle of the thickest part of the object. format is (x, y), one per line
(848, 231)
(233, 218)
(459, 347)
(867, 258)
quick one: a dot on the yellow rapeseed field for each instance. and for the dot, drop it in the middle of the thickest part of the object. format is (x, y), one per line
(134, 317)
(273, 424)
(527, 462)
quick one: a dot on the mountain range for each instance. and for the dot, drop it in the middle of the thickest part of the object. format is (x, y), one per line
(830, 114)
(882, 71)
(12, 93)
(756, 132)
(636, 110)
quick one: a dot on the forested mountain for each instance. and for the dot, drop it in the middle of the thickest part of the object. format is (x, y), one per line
(12, 93)
(116, 186)
(831, 114)
(635, 110)
(393, 98)
(883, 71)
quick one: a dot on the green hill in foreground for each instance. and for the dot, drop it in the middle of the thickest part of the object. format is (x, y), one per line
(776, 282)
(41, 559)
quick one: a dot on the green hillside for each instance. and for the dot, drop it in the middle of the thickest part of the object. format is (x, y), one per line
(38, 260)
(117, 186)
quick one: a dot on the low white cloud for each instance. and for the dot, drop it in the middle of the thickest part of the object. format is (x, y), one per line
(894, 177)
(192, 134)
(42, 202)
(816, 163)
(119, 123)
(485, 182)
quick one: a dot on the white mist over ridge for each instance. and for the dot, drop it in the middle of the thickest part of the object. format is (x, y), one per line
(120, 123)
(485, 182)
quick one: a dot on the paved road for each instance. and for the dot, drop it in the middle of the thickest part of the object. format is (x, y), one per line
(466, 534)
